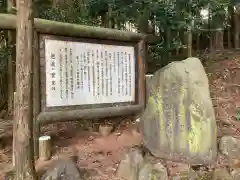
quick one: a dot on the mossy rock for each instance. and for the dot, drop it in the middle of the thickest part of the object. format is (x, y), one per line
(151, 171)
(179, 114)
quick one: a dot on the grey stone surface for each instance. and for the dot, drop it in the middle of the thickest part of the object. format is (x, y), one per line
(230, 146)
(62, 170)
(221, 174)
(179, 114)
(153, 172)
(130, 165)
(236, 174)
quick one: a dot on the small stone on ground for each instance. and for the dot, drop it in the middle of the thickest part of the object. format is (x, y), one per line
(230, 146)
(130, 165)
(63, 169)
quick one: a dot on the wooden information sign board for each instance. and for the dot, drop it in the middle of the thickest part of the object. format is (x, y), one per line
(85, 76)
(84, 73)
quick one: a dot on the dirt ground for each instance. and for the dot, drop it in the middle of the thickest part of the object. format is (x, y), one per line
(224, 81)
(99, 156)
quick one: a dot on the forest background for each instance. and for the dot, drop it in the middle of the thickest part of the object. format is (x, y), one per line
(177, 28)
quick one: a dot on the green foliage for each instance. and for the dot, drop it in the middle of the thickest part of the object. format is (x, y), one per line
(176, 16)
(3, 4)
(72, 13)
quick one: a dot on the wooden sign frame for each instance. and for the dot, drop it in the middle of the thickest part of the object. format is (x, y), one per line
(64, 113)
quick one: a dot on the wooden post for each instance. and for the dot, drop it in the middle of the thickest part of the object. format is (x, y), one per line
(36, 93)
(11, 58)
(14, 133)
(23, 117)
(45, 148)
(141, 79)
(141, 71)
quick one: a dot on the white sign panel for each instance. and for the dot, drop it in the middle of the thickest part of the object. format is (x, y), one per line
(84, 73)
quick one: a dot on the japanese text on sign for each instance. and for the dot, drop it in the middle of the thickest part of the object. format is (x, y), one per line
(86, 73)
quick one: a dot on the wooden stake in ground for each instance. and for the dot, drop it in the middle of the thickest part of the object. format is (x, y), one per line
(11, 59)
(14, 131)
(45, 148)
(24, 161)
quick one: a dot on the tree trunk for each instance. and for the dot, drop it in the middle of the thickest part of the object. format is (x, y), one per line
(11, 58)
(210, 37)
(187, 51)
(14, 133)
(178, 48)
(189, 43)
(168, 42)
(110, 24)
(198, 42)
(23, 118)
(36, 93)
(178, 14)
(143, 27)
(218, 32)
(83, 8)
(229, 38)
(188, 36)
(236, 30)
(55, 3)
(230, 15)
(218, 40)
(211, 47)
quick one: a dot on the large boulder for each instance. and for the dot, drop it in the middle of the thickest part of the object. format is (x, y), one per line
(179, 120)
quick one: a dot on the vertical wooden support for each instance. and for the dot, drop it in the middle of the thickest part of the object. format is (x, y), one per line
(141, 61)
(141, 71)
(14, 132)
(36, 93)
(11, 58)
(25, 166)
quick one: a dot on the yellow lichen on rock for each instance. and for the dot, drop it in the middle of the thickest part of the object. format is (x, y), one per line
(182, 122)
